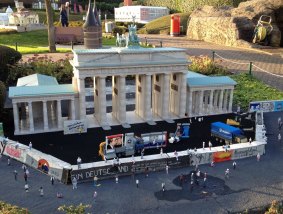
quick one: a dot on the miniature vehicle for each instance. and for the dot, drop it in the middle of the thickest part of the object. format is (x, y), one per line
(121, 145)
(232, 122)
(262, 31)
(228, 134)
(182, 132)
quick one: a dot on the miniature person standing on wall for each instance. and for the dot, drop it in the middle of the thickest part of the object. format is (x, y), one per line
(64, 16)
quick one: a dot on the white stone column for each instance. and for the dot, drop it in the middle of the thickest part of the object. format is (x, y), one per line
(102, 101)
(225, 108)
(166, 94)
(211, 102)
(122, 99)
(230, 101)
(73, 116)
(182, 95)
(45, 116)
(81, 89)
(30, 114)
(190, 104)
(220, 106)
(16, 116)
(59, 114)
(147, 100)
(206, 98)
(200, 102)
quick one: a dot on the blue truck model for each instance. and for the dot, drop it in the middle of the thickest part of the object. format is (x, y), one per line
(228, 134)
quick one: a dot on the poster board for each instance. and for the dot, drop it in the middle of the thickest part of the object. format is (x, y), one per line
(75, 126)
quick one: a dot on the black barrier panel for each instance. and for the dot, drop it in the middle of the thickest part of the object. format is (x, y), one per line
(111, 171)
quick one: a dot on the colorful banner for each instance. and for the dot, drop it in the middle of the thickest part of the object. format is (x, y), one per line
(14, 151)
(222, 156)
(75, 126)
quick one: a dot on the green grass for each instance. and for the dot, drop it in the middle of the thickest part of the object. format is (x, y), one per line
(162, 25)
(250, 89)
(36, 42)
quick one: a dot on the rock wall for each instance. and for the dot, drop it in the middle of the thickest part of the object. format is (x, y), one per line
(235, 26)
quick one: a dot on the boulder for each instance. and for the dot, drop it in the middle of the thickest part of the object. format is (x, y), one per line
(235, 26)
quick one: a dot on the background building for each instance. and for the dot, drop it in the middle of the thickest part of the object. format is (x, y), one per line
(142, 14)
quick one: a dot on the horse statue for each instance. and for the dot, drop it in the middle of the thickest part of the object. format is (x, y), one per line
(121, 40)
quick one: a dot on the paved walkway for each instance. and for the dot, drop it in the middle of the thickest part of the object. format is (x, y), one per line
(267, 59)
(252, 184)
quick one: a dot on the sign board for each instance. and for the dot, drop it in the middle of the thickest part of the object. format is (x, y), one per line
(1, 129)
(266, 106)
(75, 126)
(109, 171)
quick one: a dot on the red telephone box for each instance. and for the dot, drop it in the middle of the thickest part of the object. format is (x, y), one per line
(175, 25)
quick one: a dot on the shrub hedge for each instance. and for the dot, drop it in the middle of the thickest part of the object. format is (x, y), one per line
(8, 56)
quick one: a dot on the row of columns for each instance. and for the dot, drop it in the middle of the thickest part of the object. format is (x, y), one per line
(201, 102)
(154, 93)
(45, 114)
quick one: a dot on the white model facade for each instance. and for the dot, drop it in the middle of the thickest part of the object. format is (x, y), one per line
(164, 91)
(141, 14)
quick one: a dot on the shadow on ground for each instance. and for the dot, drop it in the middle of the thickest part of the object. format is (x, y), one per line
(214, 187)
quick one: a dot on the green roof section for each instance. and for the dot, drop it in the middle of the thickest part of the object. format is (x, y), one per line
(44, 90)
(37, 80)
(200, 80)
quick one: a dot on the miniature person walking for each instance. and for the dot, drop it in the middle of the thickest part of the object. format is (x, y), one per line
(30, 145)
(163, 187)
(137, 183)
(176, 155)
(26, 187)
(203, 145)
(227, 172)
(161, 152)
(204, 182)
(41, 192)
(210, 145)
(25, 177)
(234, 165)
(52, 180)
(142, 153)
(258, 157)
(95, 181)
(75, 183)
(167, 169)
(24, 167)
(94, 196)
(15, 174)
(79, 162)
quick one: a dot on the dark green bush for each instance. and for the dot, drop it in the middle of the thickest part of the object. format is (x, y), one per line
(8, 56)
(119, 29)
(2, 95)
